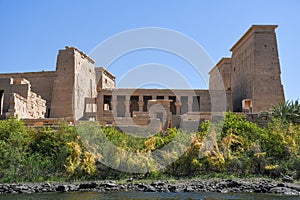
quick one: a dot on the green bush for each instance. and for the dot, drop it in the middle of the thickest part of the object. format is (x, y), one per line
(235, 147)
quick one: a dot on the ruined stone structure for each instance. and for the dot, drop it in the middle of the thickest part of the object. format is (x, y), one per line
(253, 71)
(17, 99)
(77, 90)
(140, 106)
(74, 84)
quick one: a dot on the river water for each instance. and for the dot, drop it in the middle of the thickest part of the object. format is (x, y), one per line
(143, 195)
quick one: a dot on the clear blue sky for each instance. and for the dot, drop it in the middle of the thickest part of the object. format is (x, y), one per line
(33, 31)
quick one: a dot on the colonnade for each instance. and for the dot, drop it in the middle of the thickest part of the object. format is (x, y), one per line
(124, 102)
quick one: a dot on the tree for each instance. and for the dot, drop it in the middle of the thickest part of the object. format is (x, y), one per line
(287, 112)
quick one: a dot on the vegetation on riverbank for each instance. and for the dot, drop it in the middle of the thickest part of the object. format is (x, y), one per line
(235, 147)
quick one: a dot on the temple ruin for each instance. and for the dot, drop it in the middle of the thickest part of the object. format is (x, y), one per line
(77, 90)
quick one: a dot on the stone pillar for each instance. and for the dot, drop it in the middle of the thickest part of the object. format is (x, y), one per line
(141, 105)
(190, 103)
(177, 104)
(114, 103)
(100, 106)
(127, 106)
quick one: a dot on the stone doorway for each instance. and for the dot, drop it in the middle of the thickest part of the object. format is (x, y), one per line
(146, 99)
(134, 105)
(107, 102)
(172, 104)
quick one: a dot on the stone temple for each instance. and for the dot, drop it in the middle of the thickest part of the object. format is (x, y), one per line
(249, 81)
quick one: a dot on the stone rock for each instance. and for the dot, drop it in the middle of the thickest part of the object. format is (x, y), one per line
(88, 185)
(172, 188)
(150, 189)
(141, 186)
(157, 183)
(189, 189)
(122, 187)
(62, 188)
(110, 185)
(223, 191)
(280, 185)
(46, 185)
(42, 190)
(284, 190)
(232, 183)
(288, 179)
(73, 187)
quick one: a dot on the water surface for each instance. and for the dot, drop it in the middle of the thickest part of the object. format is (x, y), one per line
(143, 195)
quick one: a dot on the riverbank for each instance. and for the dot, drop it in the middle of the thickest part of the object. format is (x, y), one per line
(193, 185)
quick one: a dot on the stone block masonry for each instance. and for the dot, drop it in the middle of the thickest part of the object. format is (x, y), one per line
(22, 101)
(253, 71)
(75, 80)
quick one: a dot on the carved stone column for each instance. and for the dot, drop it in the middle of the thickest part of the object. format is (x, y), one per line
(190, 103)
(100, 105)
(127, 106)
(141, 105)
(177, 104)
(114, 103)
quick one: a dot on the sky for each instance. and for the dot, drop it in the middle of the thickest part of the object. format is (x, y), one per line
(33, 31)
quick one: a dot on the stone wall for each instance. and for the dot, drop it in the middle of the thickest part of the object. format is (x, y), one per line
(252, 72)
(75, 80)
(104, 79)
(242, 70)
(261, 119)
(160, 109)
(48, 122)
(256, 69)
(63, 88)
(34, 107)
(85, 84)
(268, 89)
(220, 75)
(18, 106)
(5, 88)
(18, 100)
(41, 83)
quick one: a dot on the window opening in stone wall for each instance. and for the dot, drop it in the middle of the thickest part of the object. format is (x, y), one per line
(196, 104)
(1, 101)
(159, 97)
(107, 102)
(146, 99)
(172, 104)
(134, 105)
(184, 104)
